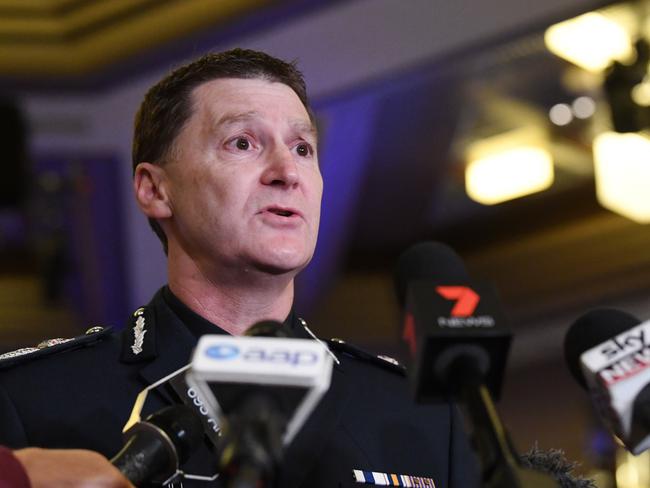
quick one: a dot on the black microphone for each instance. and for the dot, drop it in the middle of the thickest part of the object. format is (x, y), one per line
(262, 387)
(251, 442)
(608, 353)
(588, 331)
(456, 333)
(156, 447)
(449, 319)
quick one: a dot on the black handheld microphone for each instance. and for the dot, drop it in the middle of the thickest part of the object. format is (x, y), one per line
(156, 447)
(457, 336)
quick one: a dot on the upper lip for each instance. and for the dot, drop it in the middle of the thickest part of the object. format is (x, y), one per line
(282, 208)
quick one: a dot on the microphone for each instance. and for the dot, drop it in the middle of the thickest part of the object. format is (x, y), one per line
(156, 447)
(262, 387)
(608, 353)
(449, 319)
(456, 332)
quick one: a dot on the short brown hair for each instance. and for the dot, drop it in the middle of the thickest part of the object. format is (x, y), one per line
(168, 105)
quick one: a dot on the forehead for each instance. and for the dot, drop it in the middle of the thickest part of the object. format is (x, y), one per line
(230, 97)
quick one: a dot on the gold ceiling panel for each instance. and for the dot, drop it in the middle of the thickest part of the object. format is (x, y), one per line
(38, 6)
(30, 28)
(75, 37)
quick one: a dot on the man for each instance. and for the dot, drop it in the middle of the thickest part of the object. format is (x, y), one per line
(226, 169)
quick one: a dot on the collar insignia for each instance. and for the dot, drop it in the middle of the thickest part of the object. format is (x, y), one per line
(390, 479)
(139, 337)
(138, 331)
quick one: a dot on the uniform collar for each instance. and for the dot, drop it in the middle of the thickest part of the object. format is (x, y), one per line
(199, 326)
(196, 324)
(153, 328)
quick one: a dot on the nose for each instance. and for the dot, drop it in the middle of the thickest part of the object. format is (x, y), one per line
(281, 168)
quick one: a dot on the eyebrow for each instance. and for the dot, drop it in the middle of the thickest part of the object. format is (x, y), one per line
(305, 127)
(233, 118)
(299, 125)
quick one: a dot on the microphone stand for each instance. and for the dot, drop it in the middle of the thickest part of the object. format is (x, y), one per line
(500, 464)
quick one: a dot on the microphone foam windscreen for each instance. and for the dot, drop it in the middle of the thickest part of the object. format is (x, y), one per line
(554, 463)
(267, 328)
(591, 329)
(428, 261)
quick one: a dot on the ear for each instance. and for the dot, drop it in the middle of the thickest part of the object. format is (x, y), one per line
(151, 192)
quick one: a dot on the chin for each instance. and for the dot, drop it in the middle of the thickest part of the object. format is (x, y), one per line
(282, 262)
(285, 254)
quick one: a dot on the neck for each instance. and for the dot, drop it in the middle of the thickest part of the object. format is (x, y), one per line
(233, 302)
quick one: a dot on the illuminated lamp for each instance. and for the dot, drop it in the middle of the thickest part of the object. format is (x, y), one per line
(622, 170)
(508, 166)
(591, 41)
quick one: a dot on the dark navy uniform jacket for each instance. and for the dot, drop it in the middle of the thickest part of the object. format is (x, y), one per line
(80, 394)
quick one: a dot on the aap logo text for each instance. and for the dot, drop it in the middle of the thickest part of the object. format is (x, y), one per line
(293, 357)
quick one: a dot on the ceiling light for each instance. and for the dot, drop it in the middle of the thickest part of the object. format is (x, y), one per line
(591, 41)
(560, 114)
(583, 107)
(622, 170)
(641, 94)
(508, 166)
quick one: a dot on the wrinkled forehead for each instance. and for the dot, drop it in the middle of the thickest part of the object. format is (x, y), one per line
(239, 99)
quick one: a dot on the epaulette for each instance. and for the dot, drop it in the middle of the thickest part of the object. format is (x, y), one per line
(384, 361)
(49, 347)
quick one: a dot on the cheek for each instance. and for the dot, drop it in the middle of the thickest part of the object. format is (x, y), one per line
(318, 193)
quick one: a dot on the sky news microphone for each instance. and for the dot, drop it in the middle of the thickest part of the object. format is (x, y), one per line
(262, 387)
(156, 447)
(608, 353)
(457, 336)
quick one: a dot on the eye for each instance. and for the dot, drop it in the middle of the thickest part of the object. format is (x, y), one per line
(304, 149)
(242, 143)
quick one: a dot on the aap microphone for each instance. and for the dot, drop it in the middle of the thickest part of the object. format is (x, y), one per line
(262, 388)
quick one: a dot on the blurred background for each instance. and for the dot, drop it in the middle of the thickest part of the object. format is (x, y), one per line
(513, 131)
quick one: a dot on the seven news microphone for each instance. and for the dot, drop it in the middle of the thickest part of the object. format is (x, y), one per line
(456, 332)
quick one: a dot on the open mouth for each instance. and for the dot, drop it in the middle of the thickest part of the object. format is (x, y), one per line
(282, 212)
